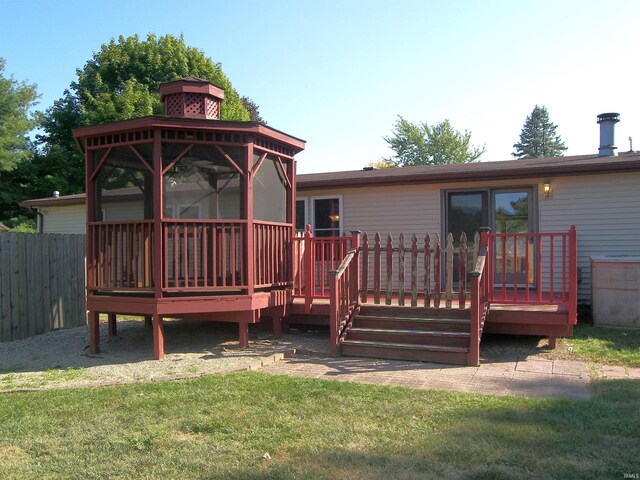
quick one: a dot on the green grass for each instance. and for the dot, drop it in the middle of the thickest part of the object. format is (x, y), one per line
(603, 346)
(221, 426)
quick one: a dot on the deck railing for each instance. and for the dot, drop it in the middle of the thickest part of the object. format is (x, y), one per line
(343, 297)
(479, 300)
(414, 273)
(203, 255)
(120, 256)
(314, 258)
(533, 268)
(272, 254)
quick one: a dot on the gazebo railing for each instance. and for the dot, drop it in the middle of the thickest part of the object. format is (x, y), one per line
(203, 255)
(272, 258)
(120, 256)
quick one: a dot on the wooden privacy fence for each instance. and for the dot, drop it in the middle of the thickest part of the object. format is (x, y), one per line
(42, 283)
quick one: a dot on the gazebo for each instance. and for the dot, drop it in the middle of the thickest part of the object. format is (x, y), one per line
(188, 216)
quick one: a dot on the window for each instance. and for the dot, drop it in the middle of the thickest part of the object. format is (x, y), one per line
(327, 218)
(302, 218)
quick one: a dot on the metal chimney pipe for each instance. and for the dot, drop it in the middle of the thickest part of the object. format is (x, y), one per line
(607, 123)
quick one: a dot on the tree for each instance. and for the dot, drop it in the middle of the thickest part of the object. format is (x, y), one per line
(538, 137)
(253, 109)
(382, 163)
(119, 82)
(422, 144)
(16, 98)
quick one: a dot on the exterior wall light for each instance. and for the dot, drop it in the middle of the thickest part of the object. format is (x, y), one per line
(546, 189)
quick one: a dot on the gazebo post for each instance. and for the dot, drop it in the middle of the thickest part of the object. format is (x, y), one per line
(158, 337)
(244, 334)
(112, 325)
(94, 332)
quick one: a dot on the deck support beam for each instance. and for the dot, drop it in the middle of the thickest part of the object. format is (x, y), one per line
(552, 341)
(94, 332)
(112, 325)
(244, 334)
(158, 337)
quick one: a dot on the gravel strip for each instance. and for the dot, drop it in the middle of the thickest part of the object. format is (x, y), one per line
(61, 359)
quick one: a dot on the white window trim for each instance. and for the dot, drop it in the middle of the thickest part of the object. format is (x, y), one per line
(306, 212)
(313, 212)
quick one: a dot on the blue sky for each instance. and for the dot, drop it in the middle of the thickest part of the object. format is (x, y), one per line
(337, 73)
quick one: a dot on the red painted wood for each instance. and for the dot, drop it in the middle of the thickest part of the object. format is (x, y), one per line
(156, 253)
(376, 269)
(401, 259)
(414, 270)
(573, 276)
(436, 272)
(309, 273)
(94, 331)
(158, 337)
(427, 271)
(462, 271)
(243, 328)
(389, 282)
(112, 330)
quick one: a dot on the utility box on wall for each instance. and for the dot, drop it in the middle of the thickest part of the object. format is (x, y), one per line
(615, 285)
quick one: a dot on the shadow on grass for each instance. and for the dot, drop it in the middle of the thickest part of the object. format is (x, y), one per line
(505, 439)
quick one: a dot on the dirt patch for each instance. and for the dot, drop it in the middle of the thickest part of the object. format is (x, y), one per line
(62, 359)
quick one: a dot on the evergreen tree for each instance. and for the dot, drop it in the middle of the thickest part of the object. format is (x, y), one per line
(423, 144)
(538, 137)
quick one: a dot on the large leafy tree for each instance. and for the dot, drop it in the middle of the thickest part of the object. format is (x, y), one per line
(423, 144)
(16, 98)
(538, 137)
(119, 82)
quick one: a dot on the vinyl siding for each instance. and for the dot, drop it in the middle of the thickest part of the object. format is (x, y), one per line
(64, 219)
(606, 212)
(604, 208)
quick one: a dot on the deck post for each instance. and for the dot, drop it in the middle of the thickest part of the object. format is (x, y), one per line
(147, 321)
(277, 326)
(112, 325)
(334, 313)
(94, 332)
(244, 334)
(309, 255)
(355, 279)
(158, 337)
(573, 276)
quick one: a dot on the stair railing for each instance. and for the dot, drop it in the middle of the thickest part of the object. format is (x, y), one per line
(343, 297)
(479, 299)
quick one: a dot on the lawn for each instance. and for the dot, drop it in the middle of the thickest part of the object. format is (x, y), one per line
(222, 426)
(602, 345)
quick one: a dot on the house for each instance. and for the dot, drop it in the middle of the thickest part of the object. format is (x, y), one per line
(599, 194)
(533, 273)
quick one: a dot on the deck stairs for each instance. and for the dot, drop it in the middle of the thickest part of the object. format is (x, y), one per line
(409, 333)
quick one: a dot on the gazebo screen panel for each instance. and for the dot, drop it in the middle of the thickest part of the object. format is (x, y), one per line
(270, 191)
(202, 183)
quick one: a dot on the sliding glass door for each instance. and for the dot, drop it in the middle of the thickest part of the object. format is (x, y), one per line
(504, 211)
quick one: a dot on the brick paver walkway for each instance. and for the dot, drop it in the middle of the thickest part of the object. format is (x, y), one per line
(527, 377)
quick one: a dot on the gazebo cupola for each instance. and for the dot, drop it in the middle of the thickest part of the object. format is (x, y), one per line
(189, 215)
(192, 97)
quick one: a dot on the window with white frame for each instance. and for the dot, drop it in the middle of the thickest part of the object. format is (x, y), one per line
(326, 216)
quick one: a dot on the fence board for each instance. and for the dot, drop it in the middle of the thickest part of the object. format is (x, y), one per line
(42, 283)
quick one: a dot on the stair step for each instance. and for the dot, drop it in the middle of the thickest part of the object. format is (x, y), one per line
(412, 323)
(410, 336)
(406, 346)
(390, 331)
(404, 351)
(419, 312)
(461, 321)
